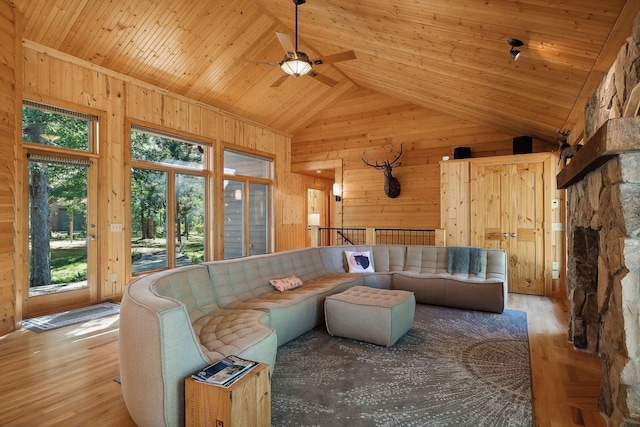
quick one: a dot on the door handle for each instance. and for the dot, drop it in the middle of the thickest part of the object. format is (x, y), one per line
(514, 234)
(505, 234)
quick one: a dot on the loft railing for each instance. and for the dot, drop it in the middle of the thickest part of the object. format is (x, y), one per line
(394, 236)
(341, 236)
(332, 236)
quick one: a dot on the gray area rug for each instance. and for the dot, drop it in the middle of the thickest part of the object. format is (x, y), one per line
(70, 317)
(453, 368)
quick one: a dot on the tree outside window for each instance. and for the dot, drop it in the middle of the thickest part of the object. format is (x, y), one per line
(167, 201)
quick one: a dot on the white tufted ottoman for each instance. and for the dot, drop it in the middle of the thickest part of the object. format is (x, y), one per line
(378, 316)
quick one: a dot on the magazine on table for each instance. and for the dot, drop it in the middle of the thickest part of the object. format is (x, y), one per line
(226, 371)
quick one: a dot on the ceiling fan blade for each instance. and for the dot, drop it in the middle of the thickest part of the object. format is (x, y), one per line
(280, 80)
(344, 56)
(324, 79)
(287, 44)
(272, 64)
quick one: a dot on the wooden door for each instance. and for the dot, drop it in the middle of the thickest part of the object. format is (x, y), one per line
(526, 229)
(508, 213)
(489, 207)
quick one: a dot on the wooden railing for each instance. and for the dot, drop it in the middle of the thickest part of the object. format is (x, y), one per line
(321, 236)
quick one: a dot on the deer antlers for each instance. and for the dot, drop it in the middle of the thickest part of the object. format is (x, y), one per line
(391, 164)
(564, 133)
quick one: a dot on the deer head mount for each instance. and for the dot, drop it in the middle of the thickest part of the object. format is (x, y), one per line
(391, 184)
(567, 150)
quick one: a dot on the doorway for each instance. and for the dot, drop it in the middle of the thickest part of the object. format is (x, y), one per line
(316, 213)
(62, 234)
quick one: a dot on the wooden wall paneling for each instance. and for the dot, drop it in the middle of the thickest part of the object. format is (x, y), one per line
(119, 97)
(77, 87)
(555, 288)
(361, 122)
(217, 226)
(290, 213)
(194, 124)
(10, 122)
(114, 170)
(455, 201)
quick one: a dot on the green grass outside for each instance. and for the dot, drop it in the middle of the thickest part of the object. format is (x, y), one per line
(68, 265)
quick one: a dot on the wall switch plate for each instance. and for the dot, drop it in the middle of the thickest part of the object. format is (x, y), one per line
(116, 226)
(557, 226)
(555, 274)
(555, 203)
(114, 277)
(555, 265)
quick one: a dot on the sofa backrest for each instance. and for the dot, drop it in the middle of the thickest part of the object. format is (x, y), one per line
(241, 279)
(389, 258)
(426, 259)
(435, 260)
(184, 284)
(497, 265)
(385, 258)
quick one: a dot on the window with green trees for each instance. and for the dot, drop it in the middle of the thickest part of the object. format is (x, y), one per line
(168, 200)
(57, 143)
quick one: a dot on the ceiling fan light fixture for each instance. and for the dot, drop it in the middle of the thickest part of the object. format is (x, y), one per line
(296, 66)
(514, 52)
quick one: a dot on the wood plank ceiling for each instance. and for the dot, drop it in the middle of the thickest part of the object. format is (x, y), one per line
(446, 55)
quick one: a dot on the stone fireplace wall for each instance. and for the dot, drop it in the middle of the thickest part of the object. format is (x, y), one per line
(603, 231)
(603, 280)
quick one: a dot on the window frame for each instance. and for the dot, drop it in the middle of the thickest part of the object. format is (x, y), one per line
(246, 181)
(171, 170)
(62, 155)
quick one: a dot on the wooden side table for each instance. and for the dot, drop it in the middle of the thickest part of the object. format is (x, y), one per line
(246, 403)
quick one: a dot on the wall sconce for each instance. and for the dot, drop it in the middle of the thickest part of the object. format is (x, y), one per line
(237, 194)
(336, 192)
(515, 43)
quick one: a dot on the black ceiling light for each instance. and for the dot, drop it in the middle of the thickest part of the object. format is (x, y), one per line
(515, 43)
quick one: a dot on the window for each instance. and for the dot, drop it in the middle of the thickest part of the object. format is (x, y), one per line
(57, 127)
(159, 147)
(247, 204)
(168, 199)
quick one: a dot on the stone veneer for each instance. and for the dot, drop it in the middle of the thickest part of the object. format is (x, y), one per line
(603, 280)
(603, 266)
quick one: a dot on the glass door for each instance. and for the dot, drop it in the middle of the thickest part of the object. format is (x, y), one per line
(62, 271)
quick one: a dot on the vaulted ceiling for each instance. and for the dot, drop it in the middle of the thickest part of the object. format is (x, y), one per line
(445, 55)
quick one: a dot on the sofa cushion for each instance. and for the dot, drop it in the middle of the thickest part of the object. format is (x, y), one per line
(184, 284)
(389, 258)
(286, 283)
(435, 260)
(426, 259)
(224, 332)
(359, 261)
(247, 278)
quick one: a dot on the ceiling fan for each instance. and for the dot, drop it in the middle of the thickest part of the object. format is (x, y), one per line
(296, 63)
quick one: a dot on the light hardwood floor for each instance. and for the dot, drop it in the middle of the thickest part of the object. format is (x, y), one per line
(66, 377)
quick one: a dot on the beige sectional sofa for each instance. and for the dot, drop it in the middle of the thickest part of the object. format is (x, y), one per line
(174, 322)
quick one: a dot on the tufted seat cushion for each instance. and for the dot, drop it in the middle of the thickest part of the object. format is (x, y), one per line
(223, 332)
(378, 316)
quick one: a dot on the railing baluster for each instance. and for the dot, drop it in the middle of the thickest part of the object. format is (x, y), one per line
(383, 236)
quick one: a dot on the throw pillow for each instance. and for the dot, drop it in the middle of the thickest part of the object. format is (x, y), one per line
(359, 262)
(286, 283)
